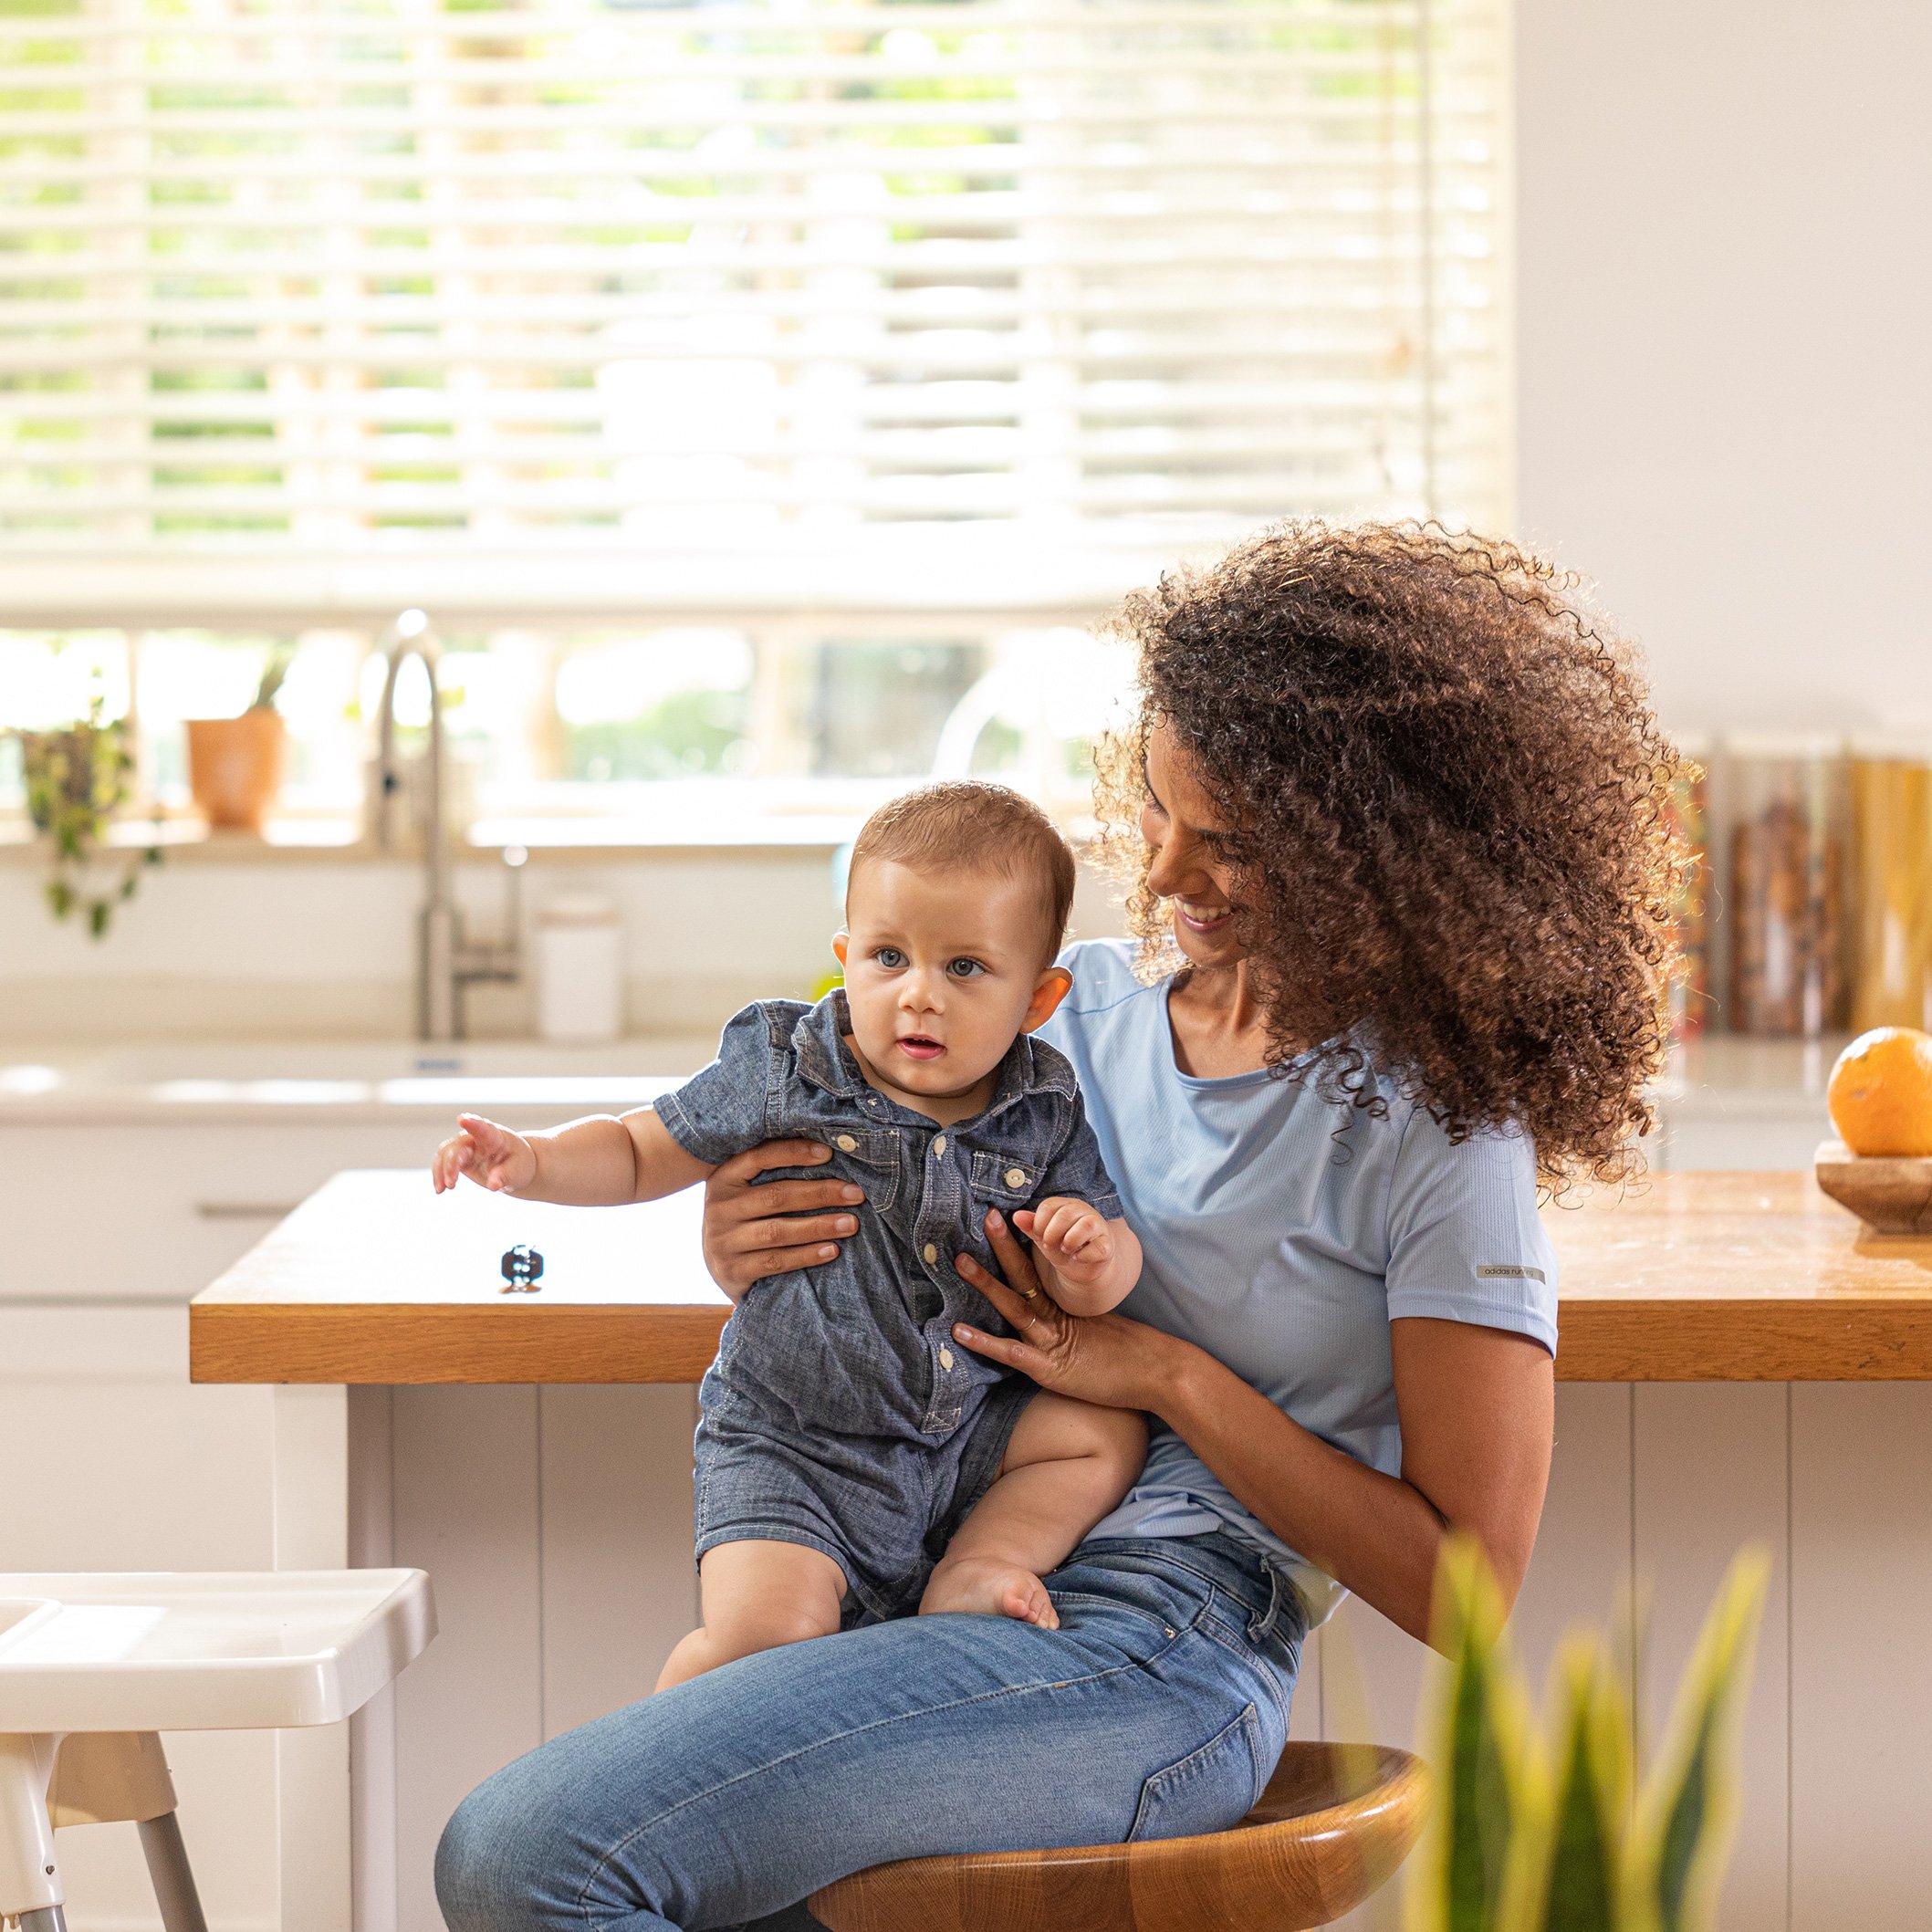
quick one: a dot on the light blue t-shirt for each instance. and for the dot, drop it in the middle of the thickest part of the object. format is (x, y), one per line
(1283, 1233)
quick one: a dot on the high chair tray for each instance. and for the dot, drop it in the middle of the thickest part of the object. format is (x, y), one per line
(242, 1650)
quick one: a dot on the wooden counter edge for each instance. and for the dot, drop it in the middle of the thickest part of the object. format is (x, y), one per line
(1874, 1339)
(387, 1343)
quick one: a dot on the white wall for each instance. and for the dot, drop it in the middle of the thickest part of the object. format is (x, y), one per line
(321, 947)
(1726, 395)
(315, 947)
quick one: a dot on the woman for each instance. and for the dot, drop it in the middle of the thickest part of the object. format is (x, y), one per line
(1404, 876)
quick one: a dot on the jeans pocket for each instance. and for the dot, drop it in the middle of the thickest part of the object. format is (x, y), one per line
(1209, 1789)
(1131, 1632)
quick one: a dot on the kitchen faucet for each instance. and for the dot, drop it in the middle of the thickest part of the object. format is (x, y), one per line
(445, 961)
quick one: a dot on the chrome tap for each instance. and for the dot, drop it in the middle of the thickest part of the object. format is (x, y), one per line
(445, 961)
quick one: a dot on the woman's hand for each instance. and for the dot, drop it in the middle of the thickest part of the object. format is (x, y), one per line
(756, 1229)
(1102, 1359)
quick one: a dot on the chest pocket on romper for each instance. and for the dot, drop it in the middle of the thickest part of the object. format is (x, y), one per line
(871, 1156)
(1008, 1180)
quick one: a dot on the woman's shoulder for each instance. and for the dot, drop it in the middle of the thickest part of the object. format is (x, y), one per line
(1415, 1155)
(1426, 1143)
(1352, 1067)
(1103, 974)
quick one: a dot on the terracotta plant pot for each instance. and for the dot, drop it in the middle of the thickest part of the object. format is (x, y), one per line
(235, 767)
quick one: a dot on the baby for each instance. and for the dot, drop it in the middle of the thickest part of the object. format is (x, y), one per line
(854, 1462)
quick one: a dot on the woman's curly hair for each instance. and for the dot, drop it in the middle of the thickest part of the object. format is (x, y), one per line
(1453, 838)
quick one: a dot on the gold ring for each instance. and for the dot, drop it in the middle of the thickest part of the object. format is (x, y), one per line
(1027, 1294)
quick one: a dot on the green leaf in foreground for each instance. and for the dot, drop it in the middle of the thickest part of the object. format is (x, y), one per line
(1689, 1810)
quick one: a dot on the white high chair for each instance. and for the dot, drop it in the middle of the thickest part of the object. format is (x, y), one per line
(92, 1666)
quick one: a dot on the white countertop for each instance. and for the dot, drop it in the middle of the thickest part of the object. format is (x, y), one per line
(1719, 1078)
(1724, 1076)
(342, 1082)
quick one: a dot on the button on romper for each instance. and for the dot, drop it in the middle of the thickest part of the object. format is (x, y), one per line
(840, 1412)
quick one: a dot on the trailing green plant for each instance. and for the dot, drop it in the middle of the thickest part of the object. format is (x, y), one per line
(76, 780)
(1549, 1831)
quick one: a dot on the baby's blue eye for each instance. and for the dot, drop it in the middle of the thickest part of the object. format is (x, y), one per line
(890, 958)
(964, 969)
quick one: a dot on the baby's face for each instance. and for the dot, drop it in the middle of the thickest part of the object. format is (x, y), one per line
(942, 972)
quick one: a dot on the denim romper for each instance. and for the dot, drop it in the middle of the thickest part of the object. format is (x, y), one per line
(840, 1412)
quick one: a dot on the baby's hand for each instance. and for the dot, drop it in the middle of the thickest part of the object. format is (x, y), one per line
(1074, 1237)
(491, 1155)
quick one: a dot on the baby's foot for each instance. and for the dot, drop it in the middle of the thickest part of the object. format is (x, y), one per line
(985, 1586)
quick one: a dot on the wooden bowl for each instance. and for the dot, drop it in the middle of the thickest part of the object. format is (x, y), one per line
(1892, 1196)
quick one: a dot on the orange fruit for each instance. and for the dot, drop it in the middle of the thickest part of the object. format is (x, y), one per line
(1881, 1092)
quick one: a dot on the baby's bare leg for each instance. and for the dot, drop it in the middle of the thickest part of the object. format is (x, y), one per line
(1068, 1464)
(756, 1596)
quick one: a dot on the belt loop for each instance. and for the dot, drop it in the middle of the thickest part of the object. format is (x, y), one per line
(1262, 1623)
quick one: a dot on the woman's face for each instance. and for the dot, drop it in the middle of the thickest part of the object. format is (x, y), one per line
(1184, 831)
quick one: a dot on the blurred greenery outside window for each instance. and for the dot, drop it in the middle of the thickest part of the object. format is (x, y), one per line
(662, 727)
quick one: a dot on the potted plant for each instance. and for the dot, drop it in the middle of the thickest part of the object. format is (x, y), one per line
(76, 780)
(1556, 1831)
(235, 764)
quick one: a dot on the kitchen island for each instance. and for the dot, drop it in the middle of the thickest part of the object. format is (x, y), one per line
(1740, 1363)
(1688, 1278)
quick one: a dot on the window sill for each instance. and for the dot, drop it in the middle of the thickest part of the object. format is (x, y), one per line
(338, 842)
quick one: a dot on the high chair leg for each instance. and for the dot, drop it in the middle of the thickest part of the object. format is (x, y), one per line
(180, 1906)
(30, 1885)
(102, 1776)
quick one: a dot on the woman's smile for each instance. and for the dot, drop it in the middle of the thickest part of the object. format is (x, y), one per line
(1201, 918)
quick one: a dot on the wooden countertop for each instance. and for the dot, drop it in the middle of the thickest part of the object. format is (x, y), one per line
(376, 1279)
(1696, 1278)
(1738, 1278)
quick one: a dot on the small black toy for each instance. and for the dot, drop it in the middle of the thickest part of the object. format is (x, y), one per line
(522, 1270)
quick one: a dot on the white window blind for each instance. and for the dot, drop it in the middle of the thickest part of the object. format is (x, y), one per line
(349, 303)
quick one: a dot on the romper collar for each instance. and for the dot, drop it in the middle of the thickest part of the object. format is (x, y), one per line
(818, 1039)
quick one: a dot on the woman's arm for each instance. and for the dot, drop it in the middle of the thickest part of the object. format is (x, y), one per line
(1476, 1407)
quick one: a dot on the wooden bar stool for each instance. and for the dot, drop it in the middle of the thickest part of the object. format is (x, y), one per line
(1334, 1822)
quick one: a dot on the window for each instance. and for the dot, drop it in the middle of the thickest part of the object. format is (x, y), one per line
(618, 332)
(681, 731)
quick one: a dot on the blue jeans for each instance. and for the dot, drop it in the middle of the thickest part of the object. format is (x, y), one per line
(1157, 1708)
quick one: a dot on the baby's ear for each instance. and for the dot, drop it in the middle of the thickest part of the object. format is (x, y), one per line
(840, 943)
(1054, 985)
